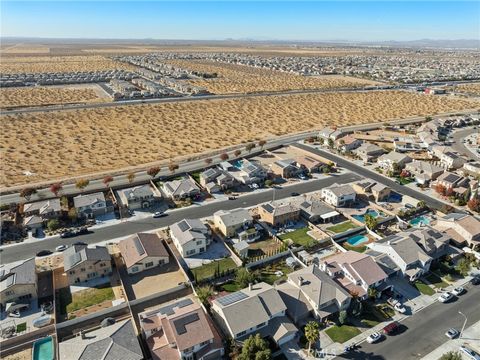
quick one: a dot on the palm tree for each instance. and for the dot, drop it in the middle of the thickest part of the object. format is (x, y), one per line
(312, 333)
(131, 177)
(82, 184)
(372, 292)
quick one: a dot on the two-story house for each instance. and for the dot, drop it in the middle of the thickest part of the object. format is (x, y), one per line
(181, 189)
(81, 263)
(424, 172)
(138, 197)
(250, 172)
(387, 161)
(47, 209)
(277, 214)
(339, 195)
(463, 228)
(368, 152)
(18, 282)
(236, 223)
(90, 205)
(286, 168)
(190, 236)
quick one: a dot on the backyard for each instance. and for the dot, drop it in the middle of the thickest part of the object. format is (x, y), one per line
(299, 237)
(359, 249)
(339, 228)
(264, 247)
(268, 274)
(342, 333)
(208, 270)
(84, 298)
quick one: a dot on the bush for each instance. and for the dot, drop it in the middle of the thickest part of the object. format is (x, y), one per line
(342, 317)
(53, 225)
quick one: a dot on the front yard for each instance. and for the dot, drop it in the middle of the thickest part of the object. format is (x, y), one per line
(299, 237)
(373, 315)
(342, 333)
(339, 228)
(423, 288)
(436, 281)
(208, 270)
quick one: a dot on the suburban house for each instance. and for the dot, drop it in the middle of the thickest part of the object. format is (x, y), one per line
(368, 152)
(48, 209)
(91, 205)
(461, 227)
(116, 341)
(181, 189)
(380, 192)
(143, 251)
(250, 172)
(190, 236)
(278, 214)
(356, 272)
(363, 187)
(386, 161)
(256, 309)
(472, 168)
(328, 133)
(451, 180)
(310, 291)
(406, 146)
(33, 222)
(18, 282)
(180, 330)
(309, 164)
(451, 161)
(315, 210)
(339, 195)
(216, 179)
(424, 172)
(138, 197)
(236, 223)
(209, 175)
(286, 168)
(347, 143)
(82, 263)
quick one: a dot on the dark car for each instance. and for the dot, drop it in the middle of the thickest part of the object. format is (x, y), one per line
(81, 231)
(79, 243)
(294, 194)
(44, 253)
(67, 234)
(232, 198)
(475, 280)
(391, 328)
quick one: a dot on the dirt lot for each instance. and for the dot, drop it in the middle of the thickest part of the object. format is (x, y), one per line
(469, 88)
(42, 64)
(76, 142)
(36, 96)
(21, 355)
(247, 79)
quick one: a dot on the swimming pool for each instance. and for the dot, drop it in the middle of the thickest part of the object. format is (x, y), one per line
(420, 221)
(356, 240)
(237, 163)
(43, 349)
(371, 212)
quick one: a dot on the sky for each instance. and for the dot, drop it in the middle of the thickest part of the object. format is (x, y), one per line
(267, 20)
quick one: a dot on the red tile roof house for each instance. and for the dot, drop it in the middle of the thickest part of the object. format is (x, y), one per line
(356, 272)
(143, 251)
(180, 330)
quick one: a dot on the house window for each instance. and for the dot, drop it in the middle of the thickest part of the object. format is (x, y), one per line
(241, 333)
(102, 264)
(71, 272)
(82, 269)
(260, 325)
(161, 262)
(199, 242)
(149, 264)
(204, 343)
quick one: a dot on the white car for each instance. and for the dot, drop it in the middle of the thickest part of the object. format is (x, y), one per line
(373, 338)
(61, 248)
(445, 297)
(400, 308)
(458, 291)
(452, 333)
(470, 353)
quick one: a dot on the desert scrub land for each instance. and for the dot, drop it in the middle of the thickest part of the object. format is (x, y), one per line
(83, 141)
(469, 88)
(247, 79)
(36, 96)
(61, 64)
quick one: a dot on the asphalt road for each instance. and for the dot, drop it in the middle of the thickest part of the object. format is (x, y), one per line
(26, 250)
(404, 190)
(458, 145)
(424, 331)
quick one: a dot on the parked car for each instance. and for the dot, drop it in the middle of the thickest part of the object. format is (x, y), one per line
(400, 308)
(232, 198)
(158, 214)
(458, 291)
(470, 353)
(67, 234)
(452, 333)
(44, 253)
(445, 297)
(475, 280)
(14, 314)
(47, 307)
(373, 338)
(80, 243)
(81, 231)
(294, 194)
(61, 248)
(391, 328)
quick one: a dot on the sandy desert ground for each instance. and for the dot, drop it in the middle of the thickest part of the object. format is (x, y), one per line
(246, 79)
(75, 142)
(469, 88)
(41, 64)
(36, 96)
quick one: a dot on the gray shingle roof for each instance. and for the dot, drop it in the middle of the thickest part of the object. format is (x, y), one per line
(234, 217)
(87, 200)
(78, 254)
(188, 230)
(18, 273)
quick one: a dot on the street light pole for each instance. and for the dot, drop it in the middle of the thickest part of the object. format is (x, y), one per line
(464, 323)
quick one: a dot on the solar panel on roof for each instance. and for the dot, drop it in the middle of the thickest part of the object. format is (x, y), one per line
(139, 246)
(168, 310)
(268, 207)
(183, 225)
(180, 324)
(232, 298)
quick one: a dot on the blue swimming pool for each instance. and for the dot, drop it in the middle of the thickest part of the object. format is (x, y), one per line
(372, 212)
(356, 240)
(420, 221)
(43, 349)
(237, 163)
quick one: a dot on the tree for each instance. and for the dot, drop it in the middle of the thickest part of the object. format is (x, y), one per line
(203, 293)
(72, 214)
(312, 333)
(372, 292)
(56, 188)
(255, 348)
(153, 171)
(172, 167)
(342, 317)
(27, 193)
(131, 177)
(224, 157)
(244, 277)
(474, 204)
(268, 182)
(330, 143)
(371, 222)
(107, 180)
(396, 168)
(451, 355)
(463, 267)
(208, 161)
(82, 184)
(440, 189)
(421, 204)
(53, 224)
(249, 147)
(262, 143)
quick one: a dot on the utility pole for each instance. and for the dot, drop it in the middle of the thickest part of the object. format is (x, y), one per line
(464, 323)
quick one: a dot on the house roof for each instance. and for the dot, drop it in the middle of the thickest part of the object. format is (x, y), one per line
(277, 208)
(308, 161)
(188, 230)
(89, 199)
(449, 177)
(78, 254)
(418, 166)
(285, 163)
(405, 247)
(368, 148)
(341, 190)
(117, 341)
(43, 207)
(140, 246)
(394, 156)
(467, 223)
(20, 272)
(137, 191)
(210, 173)
(32, 220)
(234, 217)
(180, 187)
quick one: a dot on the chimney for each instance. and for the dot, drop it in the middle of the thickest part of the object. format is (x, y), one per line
(82, 334)
(300, 281)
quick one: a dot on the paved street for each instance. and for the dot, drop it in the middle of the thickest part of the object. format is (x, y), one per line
(458, 145)
(23, 251)
(424, 331)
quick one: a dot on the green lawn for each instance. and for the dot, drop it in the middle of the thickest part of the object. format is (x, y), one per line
(21, 327)
(85, 298)
(299, 237)
(342, 333)
(196, 176)
(268, 274)
(339, 228)
(436, 281)
(359, 249)
(404, 181)
(208, 270)
(373, 316)
(423, 288)
(231, 287)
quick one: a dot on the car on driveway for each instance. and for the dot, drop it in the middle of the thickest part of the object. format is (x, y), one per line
(61, 248)
(44, 253)
(373, 338)
(452, 333)
(400, 308)
(445, 297)
(458, 291)
(470, 353)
